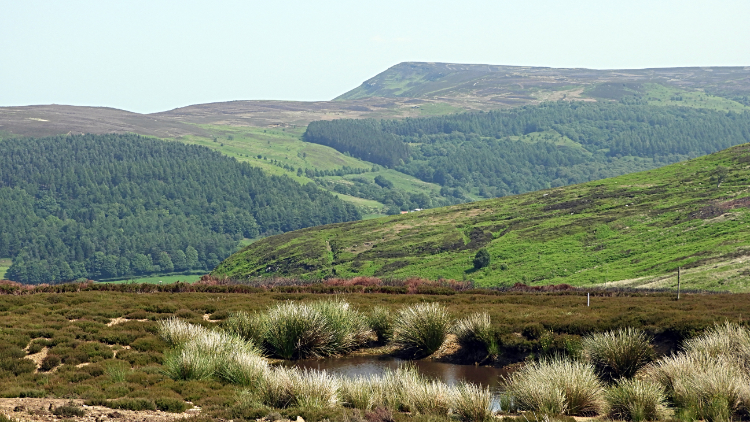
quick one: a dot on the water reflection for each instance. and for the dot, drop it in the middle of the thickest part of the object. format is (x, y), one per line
(450, 374)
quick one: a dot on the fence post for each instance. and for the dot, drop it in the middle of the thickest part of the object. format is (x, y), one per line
(678, 283)
(588, 299)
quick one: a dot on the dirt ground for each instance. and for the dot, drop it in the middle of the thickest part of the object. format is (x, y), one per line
(28, 409)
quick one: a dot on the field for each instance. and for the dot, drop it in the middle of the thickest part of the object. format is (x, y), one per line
(662, 95)
(165, 279)
(4, 265)
(639, 225)
(103, 347)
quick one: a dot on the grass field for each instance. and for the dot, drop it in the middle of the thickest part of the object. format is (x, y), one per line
(286, 147)
(638, 225)
(4, 265)
(166, 279)
(661, 95)
(103, 347)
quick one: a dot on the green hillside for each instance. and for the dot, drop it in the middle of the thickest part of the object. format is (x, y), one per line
(109, 206)
(689, 214)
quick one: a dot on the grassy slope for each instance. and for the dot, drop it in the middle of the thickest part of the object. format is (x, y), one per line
(4, 265)
(643, 224)
(285, 146)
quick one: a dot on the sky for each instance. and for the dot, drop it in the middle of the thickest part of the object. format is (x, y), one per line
(156, 55)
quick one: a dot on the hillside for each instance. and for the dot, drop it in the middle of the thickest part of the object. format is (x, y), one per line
(519, 85)
(105, 206)
(689, 214)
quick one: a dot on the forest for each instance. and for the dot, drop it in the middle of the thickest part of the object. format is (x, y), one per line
(507, 152)
(106, 206)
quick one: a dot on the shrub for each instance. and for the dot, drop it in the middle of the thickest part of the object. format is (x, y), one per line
(636, 400)
(69, 410)
(472, 402)
(49, 363)
(533, 331)
(421, 329)
(131, 404)
(558, 386)
(379, 414)
(475, 331)
(168, 404)
(619, 353)
(380, 320)
(481, 259)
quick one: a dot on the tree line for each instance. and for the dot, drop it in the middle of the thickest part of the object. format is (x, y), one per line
(104, 206)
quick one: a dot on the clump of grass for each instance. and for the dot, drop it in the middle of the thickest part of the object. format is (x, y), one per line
(472, 402)
(297, 330)
(176, 331)
(421, 329)
(475, 331)
(558, 387)
(617, 354)
(427, 396)
(728, 339)
(285, 387)
(202, 353)
(636, 400)
(250, 327)
(361, 392)
(380, 320)
(242, 368)
(704, 386)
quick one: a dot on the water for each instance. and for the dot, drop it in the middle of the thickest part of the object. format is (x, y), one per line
(448, 373)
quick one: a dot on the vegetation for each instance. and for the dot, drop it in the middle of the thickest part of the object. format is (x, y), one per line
(637, 400)
(79, 324)
(520, 150)
(118, 205)
(640, 225)
(421, 329)
(475, 332)
(618, 354)
(558, 387)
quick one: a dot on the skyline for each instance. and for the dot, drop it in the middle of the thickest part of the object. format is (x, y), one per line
(149, 57)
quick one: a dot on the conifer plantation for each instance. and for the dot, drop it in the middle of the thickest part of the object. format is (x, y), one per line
(104, 206)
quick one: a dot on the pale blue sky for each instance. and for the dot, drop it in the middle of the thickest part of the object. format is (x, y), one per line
(148, 56)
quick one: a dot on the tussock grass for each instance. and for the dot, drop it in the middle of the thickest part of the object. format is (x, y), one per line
(636, 400)
(728, 339)
(558, 387)
(248, 326)
(360, 392)
(202, 353)
(324, 328)
(428, 396)
(380, 320)
(617, 354)
(476, 331)
(704, 386)
(472, 402)
(421, 329)
(288, 387)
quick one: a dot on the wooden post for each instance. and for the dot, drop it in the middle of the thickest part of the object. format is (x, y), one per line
(588, 299)
(678, 283)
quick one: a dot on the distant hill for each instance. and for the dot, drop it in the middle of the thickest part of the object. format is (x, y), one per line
(518, 85)
(692, 214)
